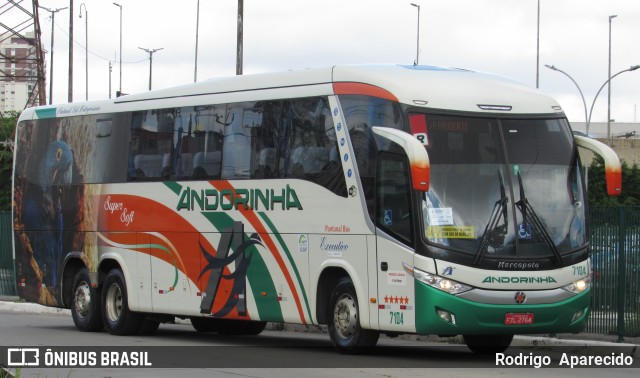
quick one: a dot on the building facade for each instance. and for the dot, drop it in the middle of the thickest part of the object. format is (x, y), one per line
(18, 72)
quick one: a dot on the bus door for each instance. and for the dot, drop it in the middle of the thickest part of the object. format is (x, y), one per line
(394, 238)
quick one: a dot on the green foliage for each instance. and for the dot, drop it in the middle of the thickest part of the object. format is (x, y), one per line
(7, 129)
(598, 187)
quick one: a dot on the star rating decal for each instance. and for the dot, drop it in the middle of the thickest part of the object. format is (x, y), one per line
(396, 299)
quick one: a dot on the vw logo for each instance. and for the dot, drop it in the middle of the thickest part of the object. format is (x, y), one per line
(520, 297)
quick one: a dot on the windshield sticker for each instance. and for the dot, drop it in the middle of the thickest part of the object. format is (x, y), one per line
(450, 232)
(441, 216)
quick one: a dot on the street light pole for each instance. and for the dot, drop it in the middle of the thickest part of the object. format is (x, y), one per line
(418, 37)
(632, 68)
(120, 6)
(150, 61)
(538, 57)
(53, 18)
(586, 118)
(86, 50)
(609, 81)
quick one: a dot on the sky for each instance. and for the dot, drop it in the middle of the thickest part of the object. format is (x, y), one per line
(497, 36)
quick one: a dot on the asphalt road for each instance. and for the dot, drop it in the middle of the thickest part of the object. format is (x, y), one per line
(177, 350)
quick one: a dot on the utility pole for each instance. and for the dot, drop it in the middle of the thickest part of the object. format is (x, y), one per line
(120, 90)
(53, 18)
(86, 50)
(195, 71)
(240, 30)
(150, 61)
(70, 97)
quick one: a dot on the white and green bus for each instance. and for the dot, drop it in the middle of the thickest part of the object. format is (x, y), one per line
(372, 199)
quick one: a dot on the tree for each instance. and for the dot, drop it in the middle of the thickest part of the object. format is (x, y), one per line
(7, 132)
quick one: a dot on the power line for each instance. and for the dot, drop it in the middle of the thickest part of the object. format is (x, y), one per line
(94, 53)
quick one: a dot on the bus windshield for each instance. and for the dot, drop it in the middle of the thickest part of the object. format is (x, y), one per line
(502, 188)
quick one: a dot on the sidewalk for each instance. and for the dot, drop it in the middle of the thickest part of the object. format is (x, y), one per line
(575, 342)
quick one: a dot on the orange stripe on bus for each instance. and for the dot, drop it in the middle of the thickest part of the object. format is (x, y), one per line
(350, 88)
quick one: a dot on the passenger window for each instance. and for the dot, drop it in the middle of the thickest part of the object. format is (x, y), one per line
(198, 136)
(150, 146)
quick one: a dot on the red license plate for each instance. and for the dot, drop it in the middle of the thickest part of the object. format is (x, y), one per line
(518, 319)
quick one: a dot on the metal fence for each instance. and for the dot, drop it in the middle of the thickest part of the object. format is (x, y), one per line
(7, 275)
(615, 256)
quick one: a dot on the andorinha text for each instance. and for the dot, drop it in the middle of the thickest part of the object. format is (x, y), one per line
(238, 199)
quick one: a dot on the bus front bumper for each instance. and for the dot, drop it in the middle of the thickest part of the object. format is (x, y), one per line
(440, 313)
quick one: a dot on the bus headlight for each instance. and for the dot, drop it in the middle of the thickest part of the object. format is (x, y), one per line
(577, 287)
(440, 283)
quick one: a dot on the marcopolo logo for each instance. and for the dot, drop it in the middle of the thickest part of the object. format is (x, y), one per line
(518, 280)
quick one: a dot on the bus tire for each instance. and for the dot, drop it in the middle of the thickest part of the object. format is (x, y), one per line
(148, 326)
(343, 321)
(488, 344)
(204, 324)
(118, 319)
(228, 326)
(85, 303)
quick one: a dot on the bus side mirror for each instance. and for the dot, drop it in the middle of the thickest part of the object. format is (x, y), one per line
(612, 166)
(417, 154)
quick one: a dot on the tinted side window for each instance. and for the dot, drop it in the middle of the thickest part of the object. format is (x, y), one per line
(362, 113)
(292, 138)
(150, 150)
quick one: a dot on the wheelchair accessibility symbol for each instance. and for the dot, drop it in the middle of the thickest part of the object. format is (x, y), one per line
(524, 231)
(388, 217)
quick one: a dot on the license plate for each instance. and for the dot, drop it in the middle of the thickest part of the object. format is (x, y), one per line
(518, 319)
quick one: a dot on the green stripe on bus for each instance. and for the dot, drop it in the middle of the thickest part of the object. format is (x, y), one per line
(46, 113)
(258, 274)
(174, 186)
(283, 245)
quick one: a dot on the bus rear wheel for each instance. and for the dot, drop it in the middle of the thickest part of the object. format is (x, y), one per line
(343, 321)
(488, 344)
(118, 319)
(85, 303)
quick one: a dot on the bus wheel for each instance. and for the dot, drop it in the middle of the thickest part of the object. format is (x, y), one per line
(204, 324)
(344, 322)
(488, 344)
(117, 317)
(85, 304)
(148, 326)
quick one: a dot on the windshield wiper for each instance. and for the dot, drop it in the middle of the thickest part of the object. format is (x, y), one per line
(524, 206)
(499, 211)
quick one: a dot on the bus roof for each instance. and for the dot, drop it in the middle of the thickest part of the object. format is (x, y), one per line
(431, 87)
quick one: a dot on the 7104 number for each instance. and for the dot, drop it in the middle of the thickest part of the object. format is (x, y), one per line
(396, 317)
